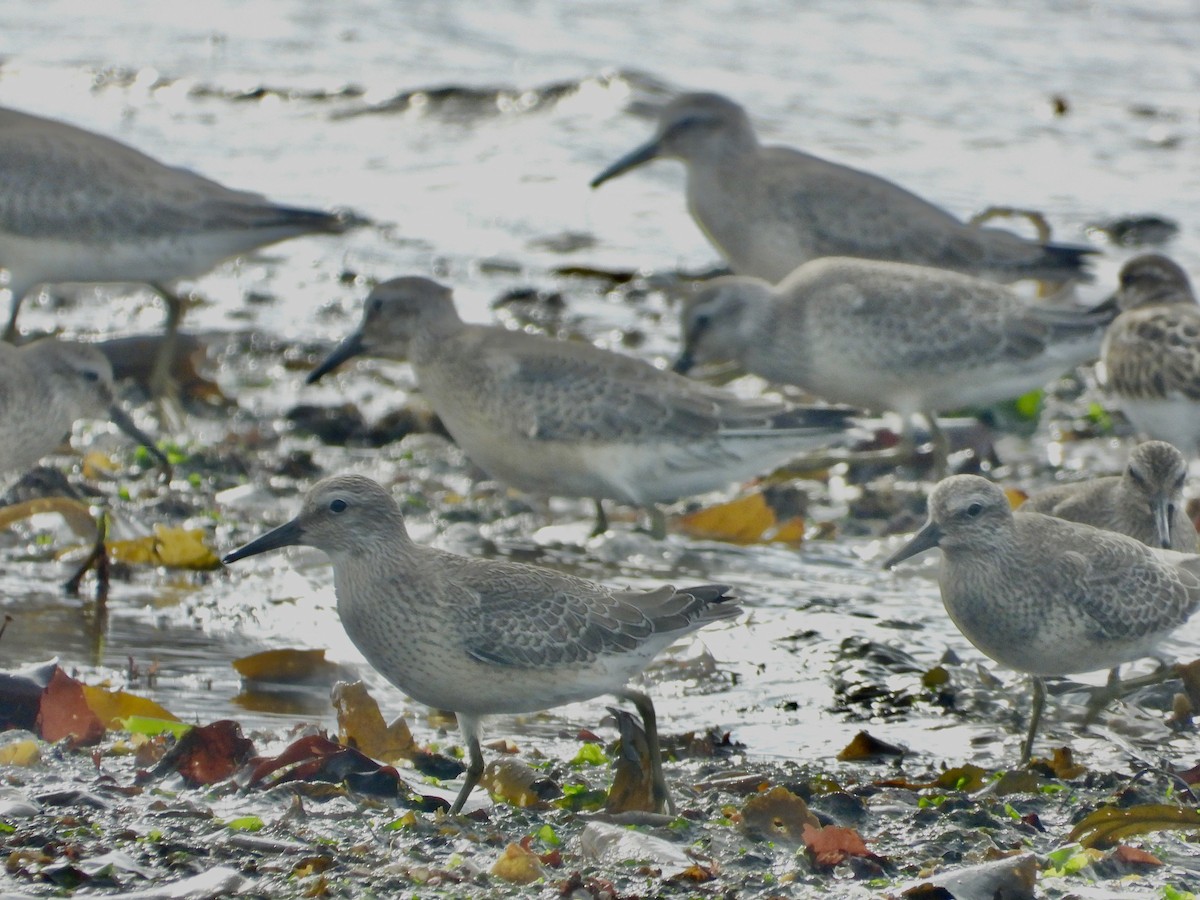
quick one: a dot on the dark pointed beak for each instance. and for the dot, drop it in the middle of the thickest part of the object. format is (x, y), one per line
(684, 364)
(925, 539)
(287, 535)
(121, 419)
(632, 160)
(1162, 510)
(347, 349)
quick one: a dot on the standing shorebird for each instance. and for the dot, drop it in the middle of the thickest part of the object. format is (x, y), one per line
(564, 418)
(76, 206)
(1045, 596)
(481, 636)
(1151, 352)
(769, 209)
(45, 388)
(889, 336)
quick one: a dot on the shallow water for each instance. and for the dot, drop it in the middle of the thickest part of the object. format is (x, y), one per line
(479, 174)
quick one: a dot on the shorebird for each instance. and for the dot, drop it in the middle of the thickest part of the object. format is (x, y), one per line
(480, 636)
(76, 206)
(1144, 502)
(1151, 352)
(564, 418)
(889, 336)
(1046, 596)
(45, 387)
(769, 209)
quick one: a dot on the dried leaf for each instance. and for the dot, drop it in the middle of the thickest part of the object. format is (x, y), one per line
(1110, 824)
(64, 712)
(1061, 765)
(21, 694)
(361, 725)
(208, 754)
(113, 707)
(515, 783)
(632, 788)
(832, 844)
(287, 666)
(746, 520)
(865, 746)
(777, 815)
(1133, 856)
(175, 548)
(518, 865)
(20, 753)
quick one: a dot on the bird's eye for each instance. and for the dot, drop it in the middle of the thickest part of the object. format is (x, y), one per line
(377, 305)
(337, 506)
(974, 509)
(91, 377)
(1135, 475)
(701, 322)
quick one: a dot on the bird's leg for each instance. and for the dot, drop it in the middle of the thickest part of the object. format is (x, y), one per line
(941, 447)
(658, 523)
(470, 733)
(162, 385)
(658, 781)
(10, 331)
(601, 525)
(1035, 718)
(1101, 697)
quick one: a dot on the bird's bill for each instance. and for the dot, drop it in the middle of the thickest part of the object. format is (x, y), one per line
(685, 363)
(286, 535)
(1162, 522)
(631, 160)
(925, 539)
(121, 419)
(347, 349)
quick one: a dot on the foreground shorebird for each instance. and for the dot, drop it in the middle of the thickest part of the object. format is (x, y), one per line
(769, 209)
(889, 336)
(1045, 596)
(1151, 353)
(1144, 502)
(47, 386)
(564, 418)
(76, 206)
(481, 636)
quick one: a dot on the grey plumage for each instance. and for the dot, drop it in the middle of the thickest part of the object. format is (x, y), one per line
(76, 206)
(564, 418)
(1144, 502)
(1046, 596)
(1151, 353)
(47, 386)
(889, 336)
(482, 636)
(769, 209)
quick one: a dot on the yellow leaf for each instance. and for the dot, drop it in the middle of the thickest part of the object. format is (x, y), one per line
(111, 707)
(176, 548)
(746, 520)
(286, 666)
(777, 815)
(515, 783)
(97, 464)
(1110, 824)
(20, 753)
(361, 725)
(518, 865)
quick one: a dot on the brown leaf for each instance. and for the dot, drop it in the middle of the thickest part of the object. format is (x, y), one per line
(361, 725)
(207, 754)
(632, 788)
(21, 694)
(515, 783)
(64, 712)
(1061, 764)
(865, 746)
(778, 815)
(1133, 856)
(287, 666)
(832, 844)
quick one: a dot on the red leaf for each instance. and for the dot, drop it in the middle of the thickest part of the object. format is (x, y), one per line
(1126, 854)
(832, 844)
(64, 712)
(208, 754)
